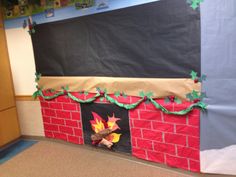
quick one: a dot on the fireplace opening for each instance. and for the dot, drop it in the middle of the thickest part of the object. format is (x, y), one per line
(106, 126)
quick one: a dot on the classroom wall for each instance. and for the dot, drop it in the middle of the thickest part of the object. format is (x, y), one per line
(30, 118)
(23, 70)
(21, 60)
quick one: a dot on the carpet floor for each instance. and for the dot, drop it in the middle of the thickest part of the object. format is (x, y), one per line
(54, 159)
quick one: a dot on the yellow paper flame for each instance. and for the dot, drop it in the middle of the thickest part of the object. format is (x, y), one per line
(98, 126)
(115, 137)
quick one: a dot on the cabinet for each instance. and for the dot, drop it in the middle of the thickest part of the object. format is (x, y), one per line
(9, 127)
(6, 89)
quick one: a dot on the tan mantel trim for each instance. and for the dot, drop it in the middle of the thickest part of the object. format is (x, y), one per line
(161, 87)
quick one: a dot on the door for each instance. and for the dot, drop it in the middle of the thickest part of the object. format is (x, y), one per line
(9, 127)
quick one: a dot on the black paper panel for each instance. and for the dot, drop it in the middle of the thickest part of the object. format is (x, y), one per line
(159, 39)
(105, 110)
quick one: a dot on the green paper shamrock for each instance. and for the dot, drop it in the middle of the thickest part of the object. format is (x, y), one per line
(193, 74)
(37, 77)
(196, 96)
(197, 79)
(148, 94)
(102, 93)
(203, 95)
(117, 94)
(52, 90)
(167, 100)
(99, 90)
(194, 3)
(66, 88)
(177, 100)
(83, 92)
(124, 95)
(172, 99)
(142, 94)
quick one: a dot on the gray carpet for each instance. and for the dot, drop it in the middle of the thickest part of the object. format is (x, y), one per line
(53, 159)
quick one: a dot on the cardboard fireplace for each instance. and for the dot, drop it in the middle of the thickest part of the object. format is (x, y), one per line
(119, 80)
(144, 132)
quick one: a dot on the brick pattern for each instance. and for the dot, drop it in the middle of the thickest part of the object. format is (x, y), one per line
(62, 119)
(169, 139)
(155, 136)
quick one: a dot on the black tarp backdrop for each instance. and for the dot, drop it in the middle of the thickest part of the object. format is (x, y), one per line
(105, 110)
(154, 40)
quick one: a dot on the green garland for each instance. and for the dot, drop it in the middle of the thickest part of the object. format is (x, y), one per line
(90, 100)
(126, 106)
(102, 94)
(182, 112)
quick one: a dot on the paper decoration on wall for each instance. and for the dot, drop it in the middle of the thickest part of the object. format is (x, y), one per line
(196, 96)
(49, 13)
(37, 77)
(117, 94)
(196, 78)
(24, 24)
(172, 99)
(84, 4)
(102, 94)
(20, 8)
(194, 3)
(104, 131)
(31, 24)
(146, 96)
(50, 96)
(101, 4)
